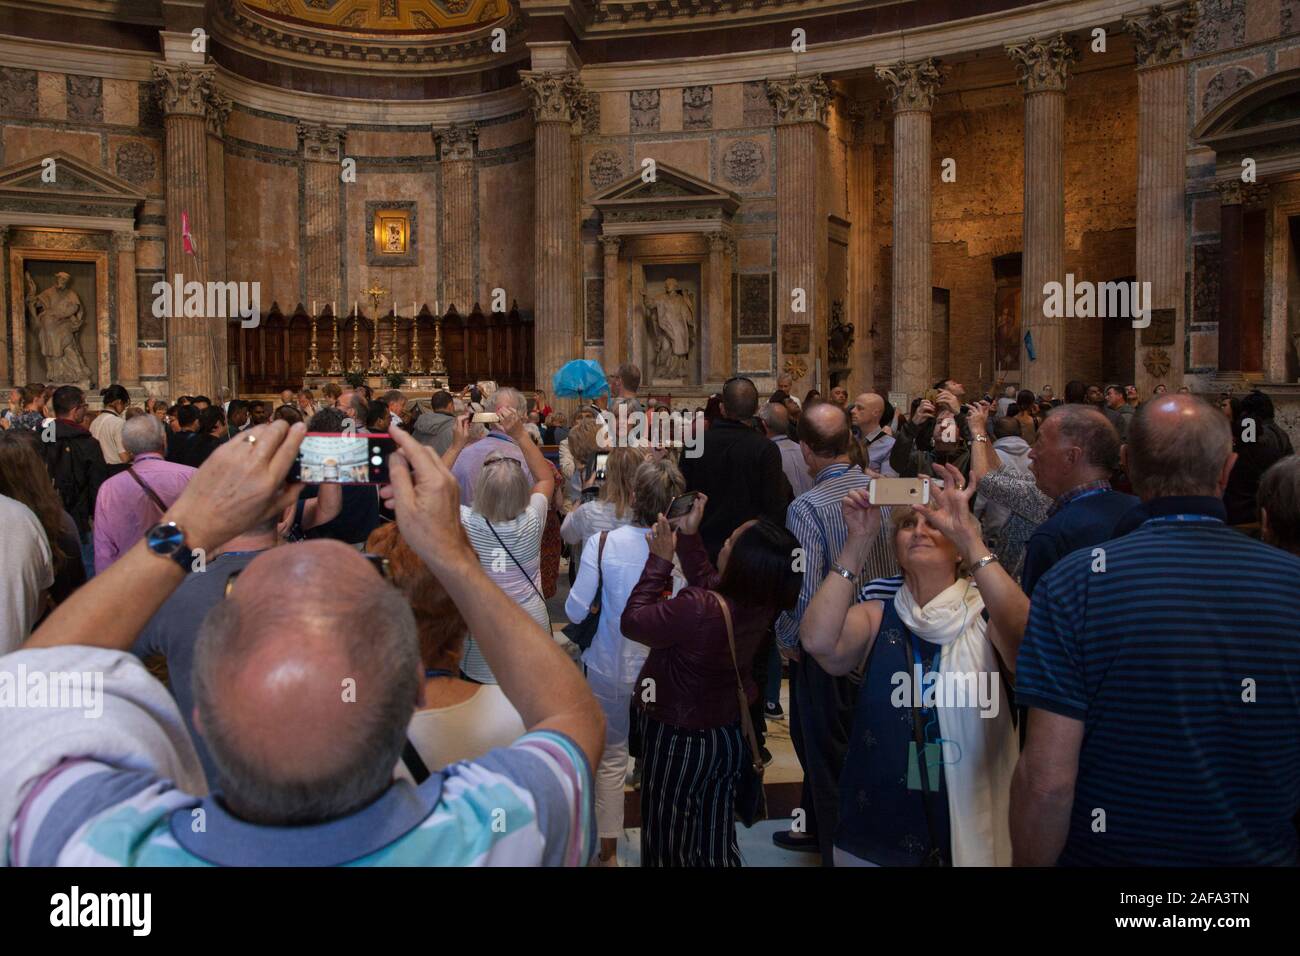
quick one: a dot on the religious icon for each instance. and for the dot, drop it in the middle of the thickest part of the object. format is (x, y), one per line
(1006, 330)
(57, 315)
(392, 232)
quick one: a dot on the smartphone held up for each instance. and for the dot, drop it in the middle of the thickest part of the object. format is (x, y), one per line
(344, 458)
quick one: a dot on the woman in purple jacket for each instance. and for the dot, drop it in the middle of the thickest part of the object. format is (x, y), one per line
(693, 748)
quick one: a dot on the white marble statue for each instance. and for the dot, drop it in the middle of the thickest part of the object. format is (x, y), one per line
(57, 315)
(672, 316)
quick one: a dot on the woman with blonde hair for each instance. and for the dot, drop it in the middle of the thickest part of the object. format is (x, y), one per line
(926, 780)
(459, 719)
(607, 505)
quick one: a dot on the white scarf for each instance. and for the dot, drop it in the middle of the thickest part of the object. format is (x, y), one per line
(979, 783)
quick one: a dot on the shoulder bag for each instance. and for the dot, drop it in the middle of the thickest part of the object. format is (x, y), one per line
(584, 632)
(751, 800)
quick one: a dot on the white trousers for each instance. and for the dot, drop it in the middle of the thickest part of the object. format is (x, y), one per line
(615, 698)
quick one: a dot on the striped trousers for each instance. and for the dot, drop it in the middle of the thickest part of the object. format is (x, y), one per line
(688, 794)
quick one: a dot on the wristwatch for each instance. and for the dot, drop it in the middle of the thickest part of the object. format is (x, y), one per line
(983, 562)
(842, 571)
(983, 438)
(167, 540)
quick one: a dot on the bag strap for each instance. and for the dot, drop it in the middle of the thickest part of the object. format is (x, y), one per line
(934, 856)
(746, 721)
(526, 575)
(594, 607)
(153, 495)
(411, 757)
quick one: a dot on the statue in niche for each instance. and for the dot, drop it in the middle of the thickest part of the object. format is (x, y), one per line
(671, 316)
(57, 314)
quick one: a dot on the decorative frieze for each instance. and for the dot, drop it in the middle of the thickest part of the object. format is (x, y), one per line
(1044, 64)
(456, 142)
(743, 163)
(182, 88)
(644, 106)
(697, 107)
(216, 113)
(1159, 34)
(605, 168)
(800, 99)
(912, 86)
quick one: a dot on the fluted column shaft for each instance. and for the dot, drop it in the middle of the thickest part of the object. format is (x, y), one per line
(912, 89)
(456, 151)
(802, 160)
(557, 101)
(322, 151)
(719, 331)
(1044, 237)
(193, 352)
(861, 200)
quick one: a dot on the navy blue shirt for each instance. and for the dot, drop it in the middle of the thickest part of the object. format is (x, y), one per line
(1182, 660)
(1088, 520)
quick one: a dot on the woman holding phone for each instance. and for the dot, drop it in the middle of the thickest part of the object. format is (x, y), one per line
(612, 662)
(927, 777)
(693, 747)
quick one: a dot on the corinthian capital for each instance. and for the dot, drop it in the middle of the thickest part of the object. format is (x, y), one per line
(800, 99)
(912, 86)
(1159, 34)
(183, 88)
(557, 97)
(457, 141)
(321, 143)
(1044, 64)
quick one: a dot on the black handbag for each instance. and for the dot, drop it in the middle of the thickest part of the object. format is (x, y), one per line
(584, 632)
(751, 798)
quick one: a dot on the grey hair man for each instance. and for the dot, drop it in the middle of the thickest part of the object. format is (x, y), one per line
(130, 502)
(507, 403)
(304, 686)
(776, 422)
(1186, 628)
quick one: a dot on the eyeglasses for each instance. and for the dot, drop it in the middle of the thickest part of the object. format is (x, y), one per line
(377, 561)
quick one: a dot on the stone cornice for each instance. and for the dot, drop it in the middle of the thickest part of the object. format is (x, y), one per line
(456, 142)
(183, 89)
(1160, 33)
(1043, 64)
(321, 143)
(799, 99)
(912, 86)
(556, 97)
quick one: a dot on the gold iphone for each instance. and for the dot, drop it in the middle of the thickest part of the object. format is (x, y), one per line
(899, 491)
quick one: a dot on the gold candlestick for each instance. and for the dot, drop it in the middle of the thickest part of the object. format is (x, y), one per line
(438, 366)
(417, 367)
(376, 293)
(355, 365)
(336, 368)
(395, 366)
(313, 360)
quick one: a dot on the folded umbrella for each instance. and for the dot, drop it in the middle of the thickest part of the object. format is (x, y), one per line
(581, 378)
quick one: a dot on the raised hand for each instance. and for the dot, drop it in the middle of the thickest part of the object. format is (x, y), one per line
(948, 400)
(425, 497)
(949, 510)
(690, 522)
(512, 423)
(977, 416)
(662, 538)
(241, 485)
(862, 517)
(923, 411)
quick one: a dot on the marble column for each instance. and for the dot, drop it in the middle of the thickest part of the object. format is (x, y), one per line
(558, 101)
(456, 148)
(912, 88)
(128, 351)
(614, 333)
(195, 345)
(722, 254)
(218, 110)
(861, 210)
(5, 375)
(1158, 38)
(1044, 66)
(322, 153)
(802, 190)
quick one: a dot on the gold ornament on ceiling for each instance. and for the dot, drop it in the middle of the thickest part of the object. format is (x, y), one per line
(795, 367)
(384, 16)
(1156, 363)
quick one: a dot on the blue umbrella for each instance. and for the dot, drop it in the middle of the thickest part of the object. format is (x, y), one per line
(581, 378)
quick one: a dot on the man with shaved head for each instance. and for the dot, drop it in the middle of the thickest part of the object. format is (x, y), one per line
(866, 411)
(821, 713)
(304, 684)
(1075, 453)
(1162, 675)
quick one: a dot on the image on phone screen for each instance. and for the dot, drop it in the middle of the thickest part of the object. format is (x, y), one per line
(359, 458)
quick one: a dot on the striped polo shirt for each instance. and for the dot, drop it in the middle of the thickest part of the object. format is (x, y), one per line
(1177, 647)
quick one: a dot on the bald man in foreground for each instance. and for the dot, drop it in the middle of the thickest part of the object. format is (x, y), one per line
(1162, 675)
(304, 684)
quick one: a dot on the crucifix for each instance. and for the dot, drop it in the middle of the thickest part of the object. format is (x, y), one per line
(376, 293)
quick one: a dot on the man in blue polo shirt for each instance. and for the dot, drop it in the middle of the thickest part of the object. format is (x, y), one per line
(1162, 675)
(1072, 460)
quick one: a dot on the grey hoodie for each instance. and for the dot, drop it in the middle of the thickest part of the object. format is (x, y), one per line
(435, 429)
(1014, 452)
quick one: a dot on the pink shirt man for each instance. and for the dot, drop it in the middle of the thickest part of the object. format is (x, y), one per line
(124, 511)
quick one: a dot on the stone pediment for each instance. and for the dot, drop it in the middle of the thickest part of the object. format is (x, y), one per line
(671, 195)
(68, 185)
